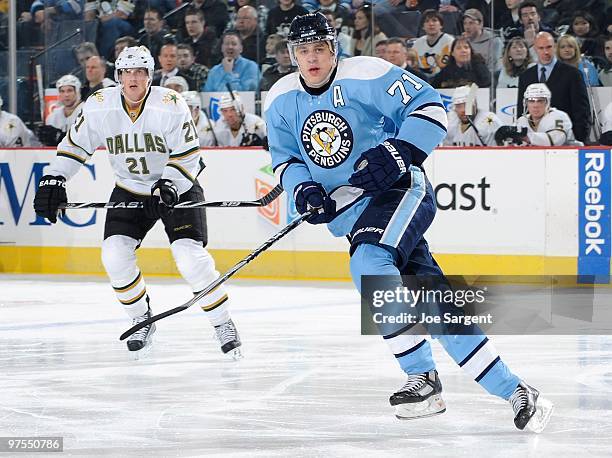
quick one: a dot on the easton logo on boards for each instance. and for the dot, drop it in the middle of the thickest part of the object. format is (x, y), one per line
(327, 138)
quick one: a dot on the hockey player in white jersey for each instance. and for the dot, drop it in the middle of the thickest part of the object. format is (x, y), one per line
(152, 145)
(606, 128)
(348, 139)
(202, 123)
(13, 132)
(541, 124)
(546, 126)
(467, 125)
(235, 127)
(62, 117)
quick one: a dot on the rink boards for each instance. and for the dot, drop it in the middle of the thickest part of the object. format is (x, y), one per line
(501, 211)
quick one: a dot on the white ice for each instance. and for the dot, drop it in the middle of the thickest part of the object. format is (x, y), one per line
(309, 385)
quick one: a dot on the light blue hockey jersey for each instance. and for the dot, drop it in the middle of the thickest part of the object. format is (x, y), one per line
(321, 137)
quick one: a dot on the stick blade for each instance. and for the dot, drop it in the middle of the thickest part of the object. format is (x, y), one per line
(151, 320)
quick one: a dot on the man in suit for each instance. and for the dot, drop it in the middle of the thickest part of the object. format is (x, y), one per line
(565, 82)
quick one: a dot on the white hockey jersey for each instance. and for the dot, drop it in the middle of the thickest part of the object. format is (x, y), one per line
(433, 58)
(554, 129)
(161, 142)
(459, 134)
(14, 133)
(59, 120)
(252, 124)
(607, 119)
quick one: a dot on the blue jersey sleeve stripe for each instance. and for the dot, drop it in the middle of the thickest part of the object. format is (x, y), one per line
(286, 163)
(430, 104)
(427, 118)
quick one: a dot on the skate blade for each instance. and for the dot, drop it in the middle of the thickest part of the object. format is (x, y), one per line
(544, 410)
(144, 352)
(429, 408)
(235, 354)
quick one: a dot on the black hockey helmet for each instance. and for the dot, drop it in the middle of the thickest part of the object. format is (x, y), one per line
(310, 28)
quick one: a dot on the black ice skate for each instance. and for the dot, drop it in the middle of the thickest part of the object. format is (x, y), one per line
(420, 397)
(530, 409)
(228, 337)
(143, 337)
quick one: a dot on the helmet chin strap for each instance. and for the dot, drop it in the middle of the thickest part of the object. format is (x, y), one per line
(135, 102)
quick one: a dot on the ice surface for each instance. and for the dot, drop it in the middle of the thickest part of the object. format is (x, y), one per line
(309, 385)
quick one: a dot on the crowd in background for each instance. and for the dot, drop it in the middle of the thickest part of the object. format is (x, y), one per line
(211, 45)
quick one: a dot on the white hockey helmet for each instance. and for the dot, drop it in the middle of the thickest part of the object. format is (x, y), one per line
(228, 102)
(192, 98)
(69, 80)
(134, 57)
(461, 94)
(536, 91)
(179, 81)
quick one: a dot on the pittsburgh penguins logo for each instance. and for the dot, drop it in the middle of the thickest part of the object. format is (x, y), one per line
(327, 138)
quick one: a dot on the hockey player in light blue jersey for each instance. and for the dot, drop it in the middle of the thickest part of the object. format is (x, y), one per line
(349, 138)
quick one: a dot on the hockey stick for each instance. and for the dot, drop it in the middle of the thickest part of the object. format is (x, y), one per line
(222, 279)
(261, 202)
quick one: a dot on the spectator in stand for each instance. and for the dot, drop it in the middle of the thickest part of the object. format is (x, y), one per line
(240, 72)
(605, 74)
(585, 29)
(154, 32)
(531, 24)
(253, 41)
(433, 47)
(364, 37)
(200, 38)
(215, 12)
(281, 68)
(280, 17)
(123, 42)
(568, 52)
(270, 58)
(167, 61)
(380, 50)
(112, 23)
(464, 67)
(95, 71)
(83, 52)
(557, 12)
(342, 8)
(342, 35)
(566, 84)
(177, 84)
(397, 54)
(142, 6)
(483, 41)
(516, 60)
(506, 16)
(13, 132)
(194, 73)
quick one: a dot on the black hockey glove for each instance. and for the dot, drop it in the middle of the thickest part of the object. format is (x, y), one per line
(50, 194)
(49, 135)
(310, 195)
(380, 167)
(164, 196)
(510, 135)
(251, 140)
